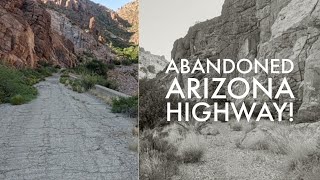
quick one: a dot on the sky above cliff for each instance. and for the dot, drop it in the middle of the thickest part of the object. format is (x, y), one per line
(164, 21)
(112, 4)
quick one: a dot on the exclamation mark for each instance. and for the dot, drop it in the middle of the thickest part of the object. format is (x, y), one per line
(291, 112)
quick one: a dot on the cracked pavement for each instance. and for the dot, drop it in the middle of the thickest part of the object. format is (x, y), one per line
(65, 135)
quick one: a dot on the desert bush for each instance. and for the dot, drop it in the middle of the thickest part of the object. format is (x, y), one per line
(158, 158)
(97, 67)
(2, 96)
(89, 81)
(63, 80)
(126, 62)
(143, 69)
(130, 53)
(191, 148)
(173, 145)
(34, 76)
(235, 126)
(12, 83)
(17, 100)
(155, 166)
(110, 84)
(47, 71)
(110, 66)
(270, 137)
(126, 105)
(152, 104)
(151, 69)
(304, 160)
(116, 62)
(65, 75)
(77, 85)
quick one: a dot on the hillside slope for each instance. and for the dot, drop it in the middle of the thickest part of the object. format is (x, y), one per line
(130, 13)
(56, 32)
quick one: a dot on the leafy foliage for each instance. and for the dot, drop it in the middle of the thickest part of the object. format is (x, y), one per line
(152, 104)
(17, 100)
(16, 86)
(97, 67)
(130, 54)
(126, 105)
(13, 82)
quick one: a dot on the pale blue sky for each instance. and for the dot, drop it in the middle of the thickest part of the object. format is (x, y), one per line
(112, 4)
(164, 21)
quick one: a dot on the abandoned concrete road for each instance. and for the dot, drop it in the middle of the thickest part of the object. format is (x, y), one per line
(63, 135)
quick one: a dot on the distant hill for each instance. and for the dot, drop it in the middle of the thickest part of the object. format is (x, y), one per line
(150, 64)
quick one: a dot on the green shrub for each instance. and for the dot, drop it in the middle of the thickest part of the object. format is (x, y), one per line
(89, 81)
(110, 65)
(31, 76)
(126, 105)
(47, 71)
(117, 62)
(97, 67)
(2, 96)
(130, 53)
(14, 82)
(110, 84)
(126, 62)
(65, 75)
(17, 100)
(63, 80)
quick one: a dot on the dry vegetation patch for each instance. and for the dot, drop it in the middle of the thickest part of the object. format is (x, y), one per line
(166, 148)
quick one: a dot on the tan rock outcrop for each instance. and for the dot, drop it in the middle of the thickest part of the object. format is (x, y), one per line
(130, 13)
(82, 40)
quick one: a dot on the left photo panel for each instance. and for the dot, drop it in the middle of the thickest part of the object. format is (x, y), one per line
(68, 89)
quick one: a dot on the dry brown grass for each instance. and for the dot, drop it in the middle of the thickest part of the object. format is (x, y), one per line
(242, 125)
(299, 144)
(161, 151)
(154, 166)
(158, 158)
(304, 160)
(191, 149)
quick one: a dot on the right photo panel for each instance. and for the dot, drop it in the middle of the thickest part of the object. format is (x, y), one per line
(229, 90)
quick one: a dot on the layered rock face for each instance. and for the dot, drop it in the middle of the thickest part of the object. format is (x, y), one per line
(71, 4)
(150, 65)
(130, 13)
(84, 13)
(263, 29)
(83, 41)
(27, 38)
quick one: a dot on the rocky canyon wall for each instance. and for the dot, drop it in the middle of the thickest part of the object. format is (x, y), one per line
(26, 36)
(262, 29)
